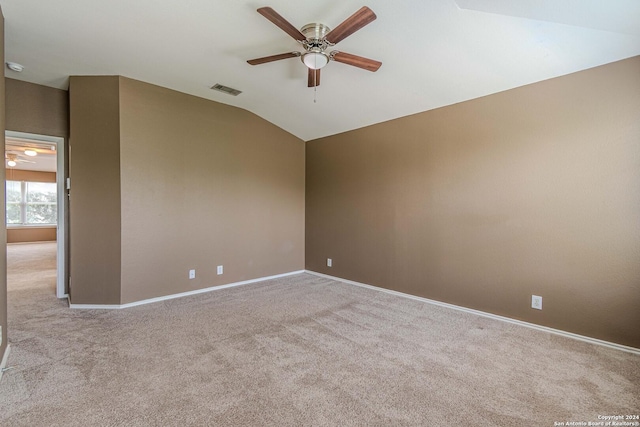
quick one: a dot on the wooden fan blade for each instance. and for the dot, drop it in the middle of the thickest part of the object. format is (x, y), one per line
(352, 24)
(282, 23)
(314, 78)
(272, 58)
(357, 61)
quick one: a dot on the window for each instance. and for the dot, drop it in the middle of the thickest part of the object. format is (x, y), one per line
(31, 203)
(14, 199)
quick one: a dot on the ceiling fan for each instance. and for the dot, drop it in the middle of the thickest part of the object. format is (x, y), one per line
(316, 39)
(13, 159)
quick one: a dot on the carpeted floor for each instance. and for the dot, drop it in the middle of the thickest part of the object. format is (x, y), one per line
(302, 350)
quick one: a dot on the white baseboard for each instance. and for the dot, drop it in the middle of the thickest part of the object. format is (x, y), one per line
(3, 364)
(180, 295)
(485, 314)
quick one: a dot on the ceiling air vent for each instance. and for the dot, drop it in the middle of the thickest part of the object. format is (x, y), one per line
(226, 89)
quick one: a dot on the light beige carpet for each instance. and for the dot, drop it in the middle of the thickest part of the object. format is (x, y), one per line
(302, 350)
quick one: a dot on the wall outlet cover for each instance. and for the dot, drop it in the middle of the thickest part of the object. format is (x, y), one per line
(220, 270)
(536, 302)
(329, 262)
(192, 274)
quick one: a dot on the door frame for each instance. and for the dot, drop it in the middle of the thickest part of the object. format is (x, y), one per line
(61, 261)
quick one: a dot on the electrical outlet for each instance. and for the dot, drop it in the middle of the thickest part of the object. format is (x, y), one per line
(192, 274)
(220, 269)
(329, 262)
(536, 302)
(0, 334)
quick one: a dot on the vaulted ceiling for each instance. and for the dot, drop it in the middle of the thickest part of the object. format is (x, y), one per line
(433, 52)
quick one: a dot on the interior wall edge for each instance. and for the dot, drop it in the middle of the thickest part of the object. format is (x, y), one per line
(3, 228)
(94, 230)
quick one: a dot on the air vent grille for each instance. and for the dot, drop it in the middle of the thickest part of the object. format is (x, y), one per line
(226, 89)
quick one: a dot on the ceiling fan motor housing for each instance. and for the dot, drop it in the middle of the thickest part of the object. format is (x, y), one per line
(315, 31)
(315, 45)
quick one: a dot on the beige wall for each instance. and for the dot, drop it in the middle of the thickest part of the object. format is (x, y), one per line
(95, 190)
(535, 190)
(33, 176)
(204, 184)
(38, 109)
(3, 228)
(31, 234)
(201, 184)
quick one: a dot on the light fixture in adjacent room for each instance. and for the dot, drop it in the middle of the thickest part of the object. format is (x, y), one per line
(315, 60)
(12, 159)
(31, 153)
(14, 66)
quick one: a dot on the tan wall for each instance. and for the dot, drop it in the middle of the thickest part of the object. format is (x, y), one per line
(38, 109)
(95, 190)
(185, 183)
(535, 190)
(204, 184)
(3, 228)
(31, 234)
(33, 176)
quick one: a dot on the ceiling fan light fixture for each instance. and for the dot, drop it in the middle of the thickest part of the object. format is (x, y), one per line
(316, 39)
(315, 60)
(31, 153)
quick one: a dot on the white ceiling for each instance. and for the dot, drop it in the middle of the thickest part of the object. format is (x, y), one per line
(433, 52)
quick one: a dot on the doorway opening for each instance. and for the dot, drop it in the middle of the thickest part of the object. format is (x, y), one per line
(36, 195)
